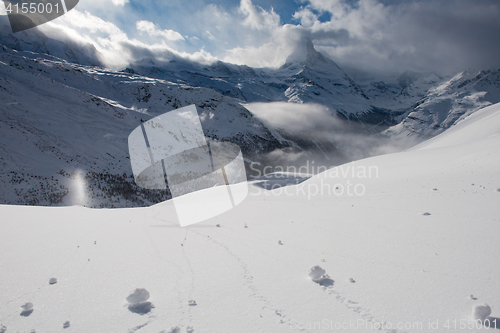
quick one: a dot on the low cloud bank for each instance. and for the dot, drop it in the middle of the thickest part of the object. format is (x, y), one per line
(322, 137)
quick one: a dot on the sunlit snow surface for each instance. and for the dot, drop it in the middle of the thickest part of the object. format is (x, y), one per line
(247, 270)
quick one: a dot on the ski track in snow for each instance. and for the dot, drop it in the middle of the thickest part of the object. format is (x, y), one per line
(139, 327)
(192, 278)
(248, 280)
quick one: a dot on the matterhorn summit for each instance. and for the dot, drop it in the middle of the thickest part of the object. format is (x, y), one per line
(306, 56)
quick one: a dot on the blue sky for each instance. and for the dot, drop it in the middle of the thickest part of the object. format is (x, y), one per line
(172, 13)
(376, 36)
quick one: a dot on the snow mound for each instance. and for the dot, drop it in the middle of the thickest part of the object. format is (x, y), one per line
(139, 295)
(27, 306)
(316, 272)
(27, 309)
(318, 275)
(481, 311)
(138, 301)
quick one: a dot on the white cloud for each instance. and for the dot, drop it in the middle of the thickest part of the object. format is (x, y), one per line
(255, 37)
(258, 18)
(209, 35)
(119, 2)
(423, 36)
(306, 17)
(267, 55)
(94, 24)
(103, 3)
(387, 37)
(378, 38)
(113, 43)
(275, 47)
(153, 30)
(313, 119)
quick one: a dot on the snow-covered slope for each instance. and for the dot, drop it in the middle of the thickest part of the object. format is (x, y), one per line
(409, 246)
(475, 127)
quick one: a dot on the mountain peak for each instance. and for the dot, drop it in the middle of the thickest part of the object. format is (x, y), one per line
(305, 55)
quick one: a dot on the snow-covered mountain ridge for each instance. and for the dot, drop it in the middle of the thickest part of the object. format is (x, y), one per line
(310, 77)
(306, 77)
(71, 117)
(58, 118)
(448, 102)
